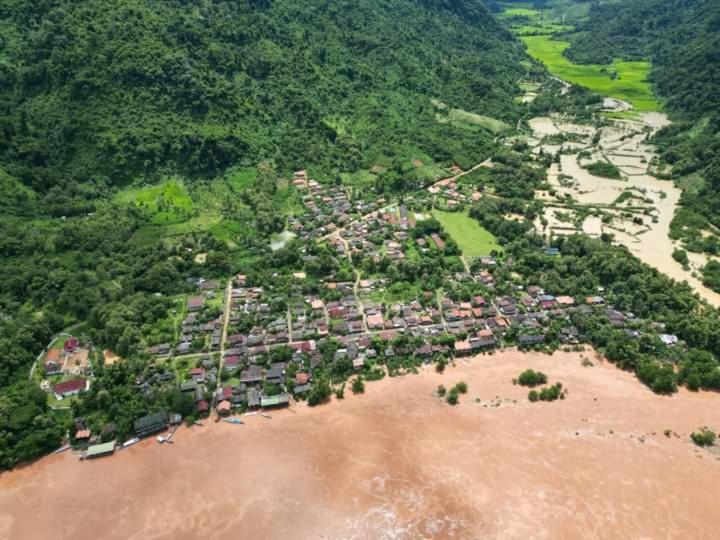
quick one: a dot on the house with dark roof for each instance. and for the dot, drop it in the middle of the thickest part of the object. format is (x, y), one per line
(152, 423)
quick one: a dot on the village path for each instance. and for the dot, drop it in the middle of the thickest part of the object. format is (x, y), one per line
(361, 306)
(226, 322)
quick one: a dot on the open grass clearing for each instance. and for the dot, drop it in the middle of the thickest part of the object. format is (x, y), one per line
(473, 240)
(169, 201)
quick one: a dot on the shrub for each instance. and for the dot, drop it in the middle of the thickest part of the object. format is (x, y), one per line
(533, 395)
(462, 387)
(441, 390)
(452, 397)
(704, 437)
(532, 378)
(358, 385)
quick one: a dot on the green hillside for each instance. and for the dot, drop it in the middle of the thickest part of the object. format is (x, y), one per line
(108, 91)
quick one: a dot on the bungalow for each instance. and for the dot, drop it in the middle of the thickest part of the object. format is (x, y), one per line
(565, 300)
(224, 407)
(669, 339)
(231, 362)
(99, 450)
(526, 341)
(462, 347)
(197, 374)
(70, 388)
(71, 344)
(375, 322)
(300, 389)
(195, 303)
(53, 364)
(279, 400)
(188, 386)
(252, 375)
(253, 398)
(203, 406)
(151, 423)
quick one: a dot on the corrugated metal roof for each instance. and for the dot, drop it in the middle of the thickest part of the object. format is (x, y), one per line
(100, 449)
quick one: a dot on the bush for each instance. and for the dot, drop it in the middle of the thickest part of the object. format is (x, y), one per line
(441, 390)
(358, 385)
(704, 437)
(452, 397)
(340, 392)
(533, 395)
(462, 387)
(603, 169)
(532, 378)
(681, 256)
(320, 393)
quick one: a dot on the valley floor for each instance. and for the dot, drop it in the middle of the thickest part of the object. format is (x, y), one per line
(397, 462)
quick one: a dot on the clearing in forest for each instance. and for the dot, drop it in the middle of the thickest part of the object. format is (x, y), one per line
(473, 240)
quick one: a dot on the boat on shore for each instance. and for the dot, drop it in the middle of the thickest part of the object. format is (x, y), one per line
(130, 442)
(235, 421)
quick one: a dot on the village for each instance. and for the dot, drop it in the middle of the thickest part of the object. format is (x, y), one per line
(249, 345)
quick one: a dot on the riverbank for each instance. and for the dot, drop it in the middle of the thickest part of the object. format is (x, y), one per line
(397, 462)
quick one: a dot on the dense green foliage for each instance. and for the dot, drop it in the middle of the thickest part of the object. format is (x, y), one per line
(27, 428)
(604, 169)
(100, 92)
(531, 378)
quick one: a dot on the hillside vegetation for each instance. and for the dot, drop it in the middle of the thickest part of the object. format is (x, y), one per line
(101, 92)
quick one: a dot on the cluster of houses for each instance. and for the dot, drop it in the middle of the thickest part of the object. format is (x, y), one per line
(327, 208)
(452, 194)
(469, 317)
(201, 329)
(72, 359)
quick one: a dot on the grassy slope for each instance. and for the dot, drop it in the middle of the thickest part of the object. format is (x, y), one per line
(474, 241)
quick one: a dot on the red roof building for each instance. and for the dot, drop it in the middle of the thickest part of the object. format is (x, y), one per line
(71, 344)
(69, 388)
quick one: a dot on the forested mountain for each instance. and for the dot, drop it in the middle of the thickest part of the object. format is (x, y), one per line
(107, 91)
(97, 94)
(682, 38)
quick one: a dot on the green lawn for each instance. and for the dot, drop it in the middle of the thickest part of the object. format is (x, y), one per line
(473, 240)
(630, 85)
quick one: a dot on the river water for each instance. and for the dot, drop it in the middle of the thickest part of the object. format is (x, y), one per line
(398, 463)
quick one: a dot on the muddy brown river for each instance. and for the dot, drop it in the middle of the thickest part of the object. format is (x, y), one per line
(398, 463)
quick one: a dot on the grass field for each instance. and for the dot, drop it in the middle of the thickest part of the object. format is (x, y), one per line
(473, 240)
(631, 84)
(169, 201)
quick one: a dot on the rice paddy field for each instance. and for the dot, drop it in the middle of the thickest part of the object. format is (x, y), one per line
(473, 240)
(630, 83)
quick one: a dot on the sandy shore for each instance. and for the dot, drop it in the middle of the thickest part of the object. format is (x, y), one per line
(397, 463)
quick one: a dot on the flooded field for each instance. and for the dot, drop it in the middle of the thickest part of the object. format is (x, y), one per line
(398, 463)
(642, 220)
